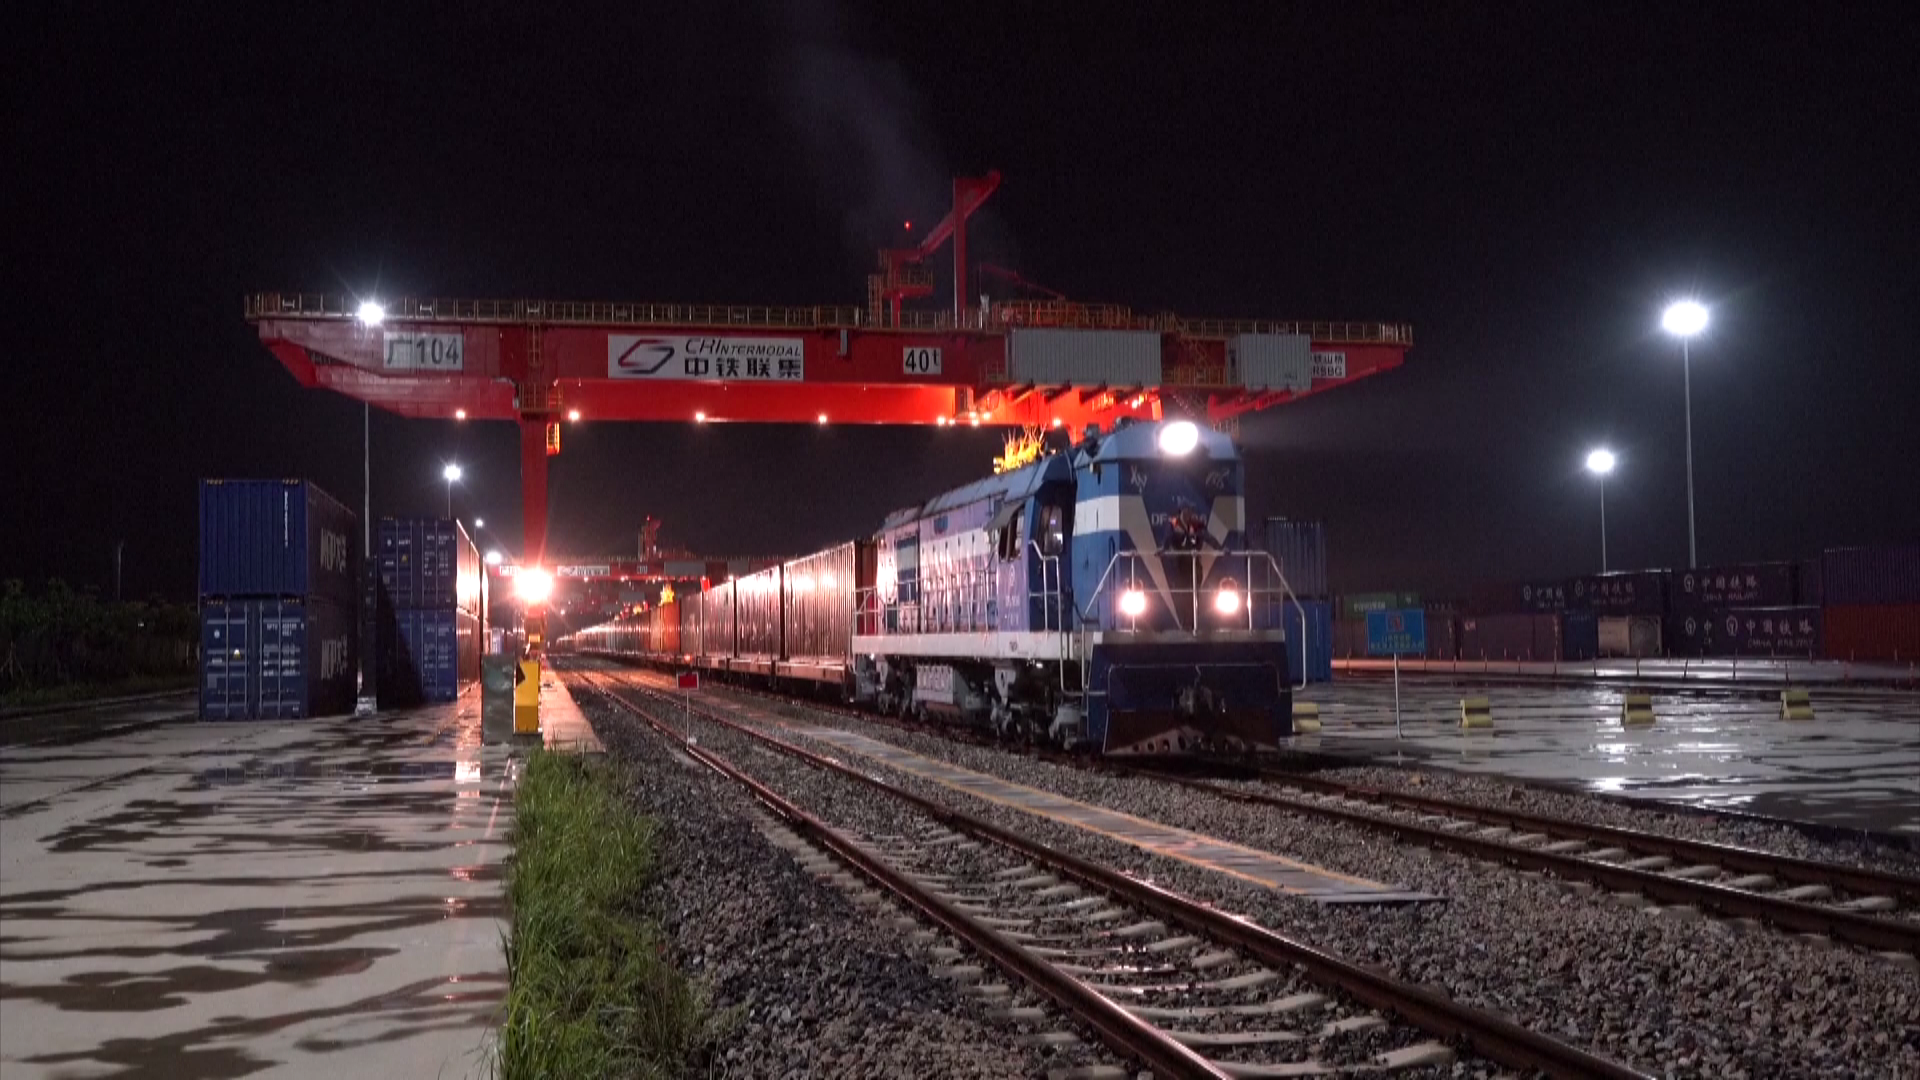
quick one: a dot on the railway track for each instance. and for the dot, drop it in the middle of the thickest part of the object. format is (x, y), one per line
(1736, 882)
(1186, 989)
(1875, 909)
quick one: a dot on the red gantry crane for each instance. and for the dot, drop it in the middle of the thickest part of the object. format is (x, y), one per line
(1035, 363)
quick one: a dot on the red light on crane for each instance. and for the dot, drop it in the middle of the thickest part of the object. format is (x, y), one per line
(908, 226)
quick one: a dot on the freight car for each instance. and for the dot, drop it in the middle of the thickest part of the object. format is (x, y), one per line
(1097, 597)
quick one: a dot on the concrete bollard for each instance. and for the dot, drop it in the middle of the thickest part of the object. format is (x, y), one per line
(1476, 713)
(1796, 704)
(1636, 710)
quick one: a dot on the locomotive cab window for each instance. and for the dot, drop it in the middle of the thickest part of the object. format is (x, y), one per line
(1011, 537)
(1053, 530)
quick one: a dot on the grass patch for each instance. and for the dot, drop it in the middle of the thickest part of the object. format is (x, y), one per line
(591, 990)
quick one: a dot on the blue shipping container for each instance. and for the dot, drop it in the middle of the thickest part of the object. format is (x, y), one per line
(428, 563)
(276, 538)
(1871, 575)
(1300, 549)
(1579, 636)
(426, 657)
(1311, 652)
(275, 659)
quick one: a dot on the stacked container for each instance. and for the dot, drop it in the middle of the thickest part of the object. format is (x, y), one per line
(1872, 598)
(1748, 609)
(277, 571)
(430, 611)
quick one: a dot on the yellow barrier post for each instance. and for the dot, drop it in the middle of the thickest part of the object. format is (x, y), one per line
(1796, 704)
(1476, 713)
(526, 698)
(1636, 710)
(1306, 717)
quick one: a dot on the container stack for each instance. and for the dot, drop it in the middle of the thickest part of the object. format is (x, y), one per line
(278, 563)
(430, 611)
(1299, 549)
(1872, 598)
(1750, 609)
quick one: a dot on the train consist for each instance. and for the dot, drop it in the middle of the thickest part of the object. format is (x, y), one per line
(1100, 596)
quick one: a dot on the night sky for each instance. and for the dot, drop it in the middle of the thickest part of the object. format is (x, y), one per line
(1525, 184)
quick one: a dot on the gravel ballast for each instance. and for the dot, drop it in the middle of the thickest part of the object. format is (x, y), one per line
(808, 983)
(1665, 992)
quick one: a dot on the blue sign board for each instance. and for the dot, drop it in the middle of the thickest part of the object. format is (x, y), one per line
(1397, 633)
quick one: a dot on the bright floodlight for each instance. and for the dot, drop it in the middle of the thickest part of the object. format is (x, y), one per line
(479, 523)
(1227, 600)
(1179, 438)
(1600, 462)
(533, 586)
(1133, 603)
(1684, 318)
(451, 472)
(573, 415)
(372, 313)
(494, 558)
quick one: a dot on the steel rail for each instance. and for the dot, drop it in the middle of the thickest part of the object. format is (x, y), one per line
(1118, 1027)
(1888, 934)
(1854, 879)
(1494, 1037)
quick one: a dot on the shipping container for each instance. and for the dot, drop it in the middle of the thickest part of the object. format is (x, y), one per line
(1077, 357)
(819, 600)
(1625, 635)
(1889, 574)
(1627, 592)
(277, 538)
(1309, 627)
(426, 656)
(1349, 639)
(1793, 630)
(1509, 637)
(1579, 635)
(1356, 605)
(717, 624)
(1880, 632)
(1770, 631)
(1443, 635)
(276, 659)
(757, 614)
(428, 563)
(1299, 548)
(1744, 585)
(1265, 362)
(1809, 579)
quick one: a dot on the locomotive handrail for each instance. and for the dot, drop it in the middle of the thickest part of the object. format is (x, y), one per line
(1285, 590)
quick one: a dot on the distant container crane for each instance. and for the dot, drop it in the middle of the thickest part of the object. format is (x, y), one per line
(1031, 363)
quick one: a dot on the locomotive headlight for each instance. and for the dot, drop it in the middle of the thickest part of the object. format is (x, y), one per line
(1133, 603)
(1227, 600)
(1179, 438)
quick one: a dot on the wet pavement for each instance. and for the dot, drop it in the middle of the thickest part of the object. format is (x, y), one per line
(308, 898)
(1855, 767)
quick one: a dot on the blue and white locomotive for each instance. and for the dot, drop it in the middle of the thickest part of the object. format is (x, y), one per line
(1098, 597)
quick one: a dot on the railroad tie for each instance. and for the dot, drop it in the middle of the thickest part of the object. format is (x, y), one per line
(1476, 713)
(1636, 710)
(1306, 717)
(1796, 704)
